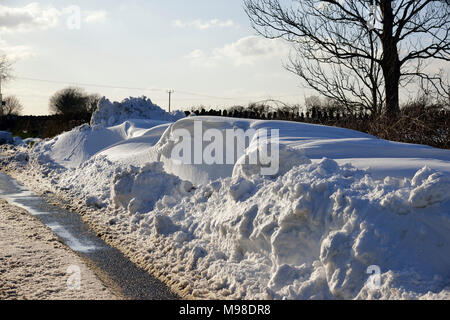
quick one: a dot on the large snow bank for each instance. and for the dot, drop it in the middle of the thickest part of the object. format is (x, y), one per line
(382, 158)
(112, 113)
(6, 137)
(317, 229)
(314, 232)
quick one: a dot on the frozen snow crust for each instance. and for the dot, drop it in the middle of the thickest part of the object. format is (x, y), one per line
(315, 231)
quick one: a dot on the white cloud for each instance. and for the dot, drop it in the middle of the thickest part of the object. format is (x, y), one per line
(203, 25)
(24, 19)
(245, 51)
(14, 52)
(29, 17)
(18, 52)
(33, 16)
(196, 54)
(95, 16)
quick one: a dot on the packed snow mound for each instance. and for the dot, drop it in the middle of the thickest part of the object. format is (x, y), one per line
(287, 158)
(112, 113)
(296, 140)
(195, 171)
(6, 137)
(80, 144)
(135, 151)
(315, 232)
(138, 189)
(215, 163)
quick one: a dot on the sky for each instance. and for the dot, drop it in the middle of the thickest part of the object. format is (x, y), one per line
(204, 50)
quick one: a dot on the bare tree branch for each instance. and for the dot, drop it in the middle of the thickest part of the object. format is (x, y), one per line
(346, 58)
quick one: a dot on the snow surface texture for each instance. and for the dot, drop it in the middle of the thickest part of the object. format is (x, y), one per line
(380, 157)
(316, 230)
(72, 148)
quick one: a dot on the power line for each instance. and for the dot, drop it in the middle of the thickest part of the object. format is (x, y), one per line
(238, 98)
(200, 95)
(88, 84)
(208, 96)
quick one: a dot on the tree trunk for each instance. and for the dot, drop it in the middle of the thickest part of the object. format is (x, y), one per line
(391, 61)
(391, 73)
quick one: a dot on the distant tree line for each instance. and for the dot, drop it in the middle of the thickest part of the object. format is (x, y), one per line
(69, 108)
(41, 126)
(420, 121)
(314, 112)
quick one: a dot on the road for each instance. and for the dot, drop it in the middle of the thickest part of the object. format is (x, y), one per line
(43, 246)
(34, 262)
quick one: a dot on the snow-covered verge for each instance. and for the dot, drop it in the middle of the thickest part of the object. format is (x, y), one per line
(7, 138)
(317, 230)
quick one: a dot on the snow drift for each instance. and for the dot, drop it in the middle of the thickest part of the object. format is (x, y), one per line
(77, 146)
(312, 233)
(132, 120)
(338, 209)
(112, 113)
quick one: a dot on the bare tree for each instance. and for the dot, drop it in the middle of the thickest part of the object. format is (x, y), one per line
(73, 100)
(12, 106)
(5, 75)
(353, 83)
(434, 86)
(5, 68)
(345, 55)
